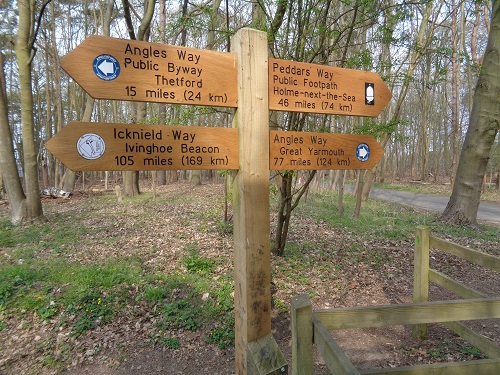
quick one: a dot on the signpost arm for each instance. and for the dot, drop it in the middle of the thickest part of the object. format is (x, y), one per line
(251, 212)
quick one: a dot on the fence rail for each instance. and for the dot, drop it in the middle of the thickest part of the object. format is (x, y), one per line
(311, 327)
(423, 275)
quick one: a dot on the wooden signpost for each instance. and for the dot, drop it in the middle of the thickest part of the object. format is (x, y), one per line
(119, 69)
(109, 68)
(84, 146)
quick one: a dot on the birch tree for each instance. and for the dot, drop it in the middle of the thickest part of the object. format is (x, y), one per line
(24, 47)
(8, 167)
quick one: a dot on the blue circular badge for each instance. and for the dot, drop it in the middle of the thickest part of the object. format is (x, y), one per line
(363, 152)
(106, 67)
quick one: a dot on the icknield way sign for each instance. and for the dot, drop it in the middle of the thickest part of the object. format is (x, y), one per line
(85, 146)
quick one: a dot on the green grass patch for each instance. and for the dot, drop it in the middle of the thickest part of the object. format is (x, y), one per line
(53, 235)
(480, 232)
(165, 340)
(191, 301)
(196, 263)
(86, 294)
(385, 220)
(92, 308)
(222, 336)
(185, 313)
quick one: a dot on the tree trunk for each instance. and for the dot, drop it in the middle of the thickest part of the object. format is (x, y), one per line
(131, 178)
(484, 124)
(455, 83)
(161, 176)
(286, 206)
(359, 191)
(130, 183)
(340, 201)
(24, 58)
(8, 168)
(424, 126)
(284, 213)
(55, 165)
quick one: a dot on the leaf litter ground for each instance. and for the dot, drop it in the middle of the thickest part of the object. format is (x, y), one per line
(336, 266)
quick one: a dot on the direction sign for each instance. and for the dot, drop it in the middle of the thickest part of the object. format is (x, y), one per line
(120, 69)
(301, 150)
(85, 146)
(313, 88)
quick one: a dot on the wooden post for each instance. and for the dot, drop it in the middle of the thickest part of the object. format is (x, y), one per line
(302, 336)
(252, 269)
(118, 191)
(421, 275)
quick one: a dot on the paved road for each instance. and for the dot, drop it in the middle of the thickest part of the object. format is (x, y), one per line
(487, 211)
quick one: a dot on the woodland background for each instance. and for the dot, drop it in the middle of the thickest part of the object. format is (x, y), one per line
(429, 53)
(111, 285)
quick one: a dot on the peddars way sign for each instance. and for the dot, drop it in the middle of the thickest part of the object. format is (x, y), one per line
(313, 88)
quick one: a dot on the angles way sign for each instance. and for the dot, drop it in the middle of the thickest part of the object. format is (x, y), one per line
(120, 69)
(309, 151)
(313, 88)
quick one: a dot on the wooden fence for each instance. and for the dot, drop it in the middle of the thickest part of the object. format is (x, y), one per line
(312, 327)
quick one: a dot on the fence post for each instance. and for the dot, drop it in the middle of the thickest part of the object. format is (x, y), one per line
(421, 275)
(302, 336)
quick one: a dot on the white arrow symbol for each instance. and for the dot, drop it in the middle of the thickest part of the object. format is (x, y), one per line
(106, 67)
(363, 152)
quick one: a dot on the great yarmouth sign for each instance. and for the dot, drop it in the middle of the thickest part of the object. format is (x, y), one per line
(310, 151)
